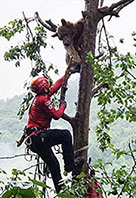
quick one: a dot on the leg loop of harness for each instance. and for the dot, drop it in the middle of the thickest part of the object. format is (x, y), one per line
(28, 141)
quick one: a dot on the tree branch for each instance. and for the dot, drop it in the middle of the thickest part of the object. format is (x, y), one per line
(121, 4)
(67, 118)
(130, 74)
(31, 166)
(133, 157)
(107, 40)
(47, 24)
(20, 155)
(95, 90)
(114, 9)
(131, 172)
(29, 32)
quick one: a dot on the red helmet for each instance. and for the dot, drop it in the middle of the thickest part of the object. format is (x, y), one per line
(39, 84)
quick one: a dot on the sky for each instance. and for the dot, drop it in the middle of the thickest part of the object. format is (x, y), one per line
(12, 79)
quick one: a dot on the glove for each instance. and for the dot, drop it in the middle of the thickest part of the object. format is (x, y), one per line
(63, 102)
(75, 67)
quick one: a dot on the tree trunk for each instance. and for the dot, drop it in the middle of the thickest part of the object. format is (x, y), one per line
(81, 124)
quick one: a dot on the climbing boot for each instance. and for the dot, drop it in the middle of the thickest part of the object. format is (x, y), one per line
(78, 164)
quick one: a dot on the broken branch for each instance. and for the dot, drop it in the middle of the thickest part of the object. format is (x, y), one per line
(48, 24)
(114, 9)
(121, 3)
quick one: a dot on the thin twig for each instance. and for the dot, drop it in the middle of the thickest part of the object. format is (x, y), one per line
(133, 157)
(100, 37)
(29, 32)
(95, 90)
(111, 181)
(20, 155)
(130, 74)
(107, 40)
(103, 190)
(131, 172)
(101, 3)
(31, 167)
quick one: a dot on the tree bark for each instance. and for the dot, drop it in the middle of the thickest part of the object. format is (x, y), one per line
(81, 124)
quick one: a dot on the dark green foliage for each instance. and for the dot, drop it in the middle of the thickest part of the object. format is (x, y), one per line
(17, 192)
(22, 185)
(79, 187)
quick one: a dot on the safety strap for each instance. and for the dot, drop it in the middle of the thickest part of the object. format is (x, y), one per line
(35, 133)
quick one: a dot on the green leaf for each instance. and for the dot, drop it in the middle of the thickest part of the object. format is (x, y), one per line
(66, 196)
(27, 193)
(120, 153)
(95, 165)
(9, 193)
(38, 183)
(23, 193)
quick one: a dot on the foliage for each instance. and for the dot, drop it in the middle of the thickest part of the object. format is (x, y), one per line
(30, 49)
(18, 188)
(117, 97)
(13, 27)
(120, 181)
(19, 193)
(25, 104)
(79, 187)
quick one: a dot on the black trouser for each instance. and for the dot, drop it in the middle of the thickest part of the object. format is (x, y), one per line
(42, 143)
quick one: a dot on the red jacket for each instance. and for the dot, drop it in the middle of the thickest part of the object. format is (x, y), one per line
(42, 111)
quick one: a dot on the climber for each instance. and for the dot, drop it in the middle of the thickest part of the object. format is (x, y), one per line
(38, 128)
